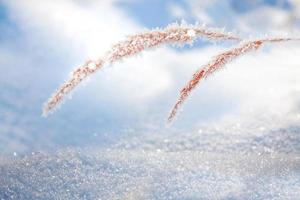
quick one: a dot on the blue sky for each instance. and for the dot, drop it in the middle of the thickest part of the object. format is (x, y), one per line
(39, 50)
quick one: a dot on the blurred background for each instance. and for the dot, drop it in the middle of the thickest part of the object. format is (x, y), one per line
(42, 41)
(237, 136)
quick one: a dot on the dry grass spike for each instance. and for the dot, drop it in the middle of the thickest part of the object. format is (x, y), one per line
(173, 34)
(218, 63)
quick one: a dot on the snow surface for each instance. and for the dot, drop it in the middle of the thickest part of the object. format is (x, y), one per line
(151, 174)
(229, 161)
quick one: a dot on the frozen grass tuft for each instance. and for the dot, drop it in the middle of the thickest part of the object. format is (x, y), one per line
(172, 34)
(218, 63)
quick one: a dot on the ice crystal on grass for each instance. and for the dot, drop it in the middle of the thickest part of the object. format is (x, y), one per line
(218, 63)
(173, 34)
(77, 77)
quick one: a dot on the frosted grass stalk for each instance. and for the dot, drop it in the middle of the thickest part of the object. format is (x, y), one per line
(218, 63)
(173, 34)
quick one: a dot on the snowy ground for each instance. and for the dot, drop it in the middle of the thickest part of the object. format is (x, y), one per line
(207, 164)
(151, 174)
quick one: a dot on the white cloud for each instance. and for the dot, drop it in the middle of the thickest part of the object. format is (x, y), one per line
(260, 19)
(176, 11)
(90, 26)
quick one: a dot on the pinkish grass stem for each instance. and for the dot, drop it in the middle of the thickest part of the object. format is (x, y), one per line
(218, 63)
(173, 34)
